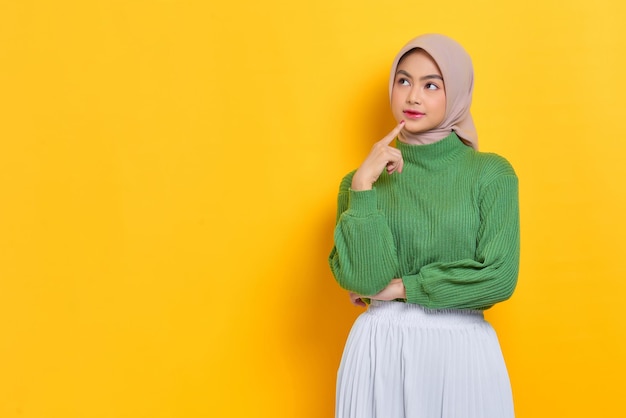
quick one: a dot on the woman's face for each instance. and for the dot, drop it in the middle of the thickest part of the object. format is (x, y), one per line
(418, 95)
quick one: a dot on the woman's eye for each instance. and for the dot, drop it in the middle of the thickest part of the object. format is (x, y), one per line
(403, 82)
(431, 86)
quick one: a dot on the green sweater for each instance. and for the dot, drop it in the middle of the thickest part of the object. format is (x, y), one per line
(448, 225)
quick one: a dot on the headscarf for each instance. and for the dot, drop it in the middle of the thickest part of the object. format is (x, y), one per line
(458, 76)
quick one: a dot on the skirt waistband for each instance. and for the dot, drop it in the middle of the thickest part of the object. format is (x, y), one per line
(413, 313)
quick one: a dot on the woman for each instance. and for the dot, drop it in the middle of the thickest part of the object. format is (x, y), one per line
(428, 233)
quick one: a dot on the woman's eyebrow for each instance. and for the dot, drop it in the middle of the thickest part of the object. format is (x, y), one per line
(427, 77)
(403, 73)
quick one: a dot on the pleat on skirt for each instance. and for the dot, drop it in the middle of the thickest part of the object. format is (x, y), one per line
(405, 361)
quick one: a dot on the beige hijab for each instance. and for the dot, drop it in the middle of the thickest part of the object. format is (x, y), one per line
(458, 76)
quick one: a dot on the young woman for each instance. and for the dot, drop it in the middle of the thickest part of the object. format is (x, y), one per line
(427, 234)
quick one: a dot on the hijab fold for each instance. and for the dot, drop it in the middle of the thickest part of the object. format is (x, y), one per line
(456, 68)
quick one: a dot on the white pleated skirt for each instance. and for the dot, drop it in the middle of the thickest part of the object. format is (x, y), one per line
(405, 361)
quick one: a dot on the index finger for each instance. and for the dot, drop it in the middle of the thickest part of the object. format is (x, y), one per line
(393, 134)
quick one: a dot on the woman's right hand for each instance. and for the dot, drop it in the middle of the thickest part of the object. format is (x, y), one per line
(357, 300)
(382, 156)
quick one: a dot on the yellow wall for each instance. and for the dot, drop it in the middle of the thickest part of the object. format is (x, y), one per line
(168, 172)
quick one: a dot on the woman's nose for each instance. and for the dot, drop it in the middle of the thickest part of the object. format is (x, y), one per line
(413, 96)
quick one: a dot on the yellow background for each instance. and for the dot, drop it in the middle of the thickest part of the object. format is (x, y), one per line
(168, 175)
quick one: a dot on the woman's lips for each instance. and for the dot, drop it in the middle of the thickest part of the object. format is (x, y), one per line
(413, 114)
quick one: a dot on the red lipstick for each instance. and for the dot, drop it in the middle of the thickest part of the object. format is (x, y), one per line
(413, 114)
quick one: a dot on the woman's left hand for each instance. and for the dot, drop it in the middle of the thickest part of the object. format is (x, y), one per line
(394, 290)
(357, 300)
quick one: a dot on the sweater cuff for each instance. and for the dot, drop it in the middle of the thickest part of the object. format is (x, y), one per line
(363, 202)
(415, 291)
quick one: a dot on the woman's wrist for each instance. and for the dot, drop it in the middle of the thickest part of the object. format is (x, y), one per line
(402, 289)
(359, 185)
(399, 290)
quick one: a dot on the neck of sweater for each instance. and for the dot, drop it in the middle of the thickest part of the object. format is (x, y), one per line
(436, 155)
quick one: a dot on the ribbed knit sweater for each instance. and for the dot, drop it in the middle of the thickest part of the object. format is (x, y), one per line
(448, 225)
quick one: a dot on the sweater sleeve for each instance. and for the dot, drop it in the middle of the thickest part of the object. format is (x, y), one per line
(363, 259)
(491, 276)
